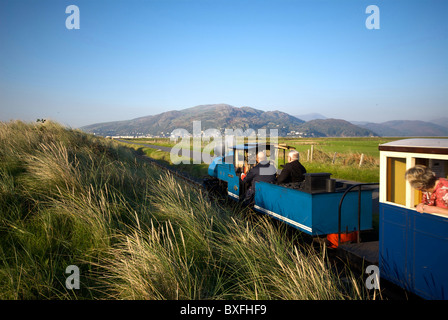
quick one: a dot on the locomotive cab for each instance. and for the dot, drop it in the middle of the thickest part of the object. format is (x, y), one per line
(413, 246)
(239, 160)
(245, 155)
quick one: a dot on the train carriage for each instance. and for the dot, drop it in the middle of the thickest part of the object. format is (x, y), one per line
(312, 206)
(413, 246)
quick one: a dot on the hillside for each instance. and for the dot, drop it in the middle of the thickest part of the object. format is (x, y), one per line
(333, 128)
(223, 116)
(218, 116)
(443, 122)
(407, 128)
(310, 116)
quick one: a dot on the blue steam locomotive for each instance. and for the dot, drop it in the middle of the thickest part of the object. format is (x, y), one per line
(411, 249)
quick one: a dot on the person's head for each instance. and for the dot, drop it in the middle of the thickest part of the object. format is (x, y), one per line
(261, 156)
(293, 155)
(421, 177)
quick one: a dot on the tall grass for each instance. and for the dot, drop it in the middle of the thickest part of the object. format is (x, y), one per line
(68, 198)
(199, 250)
(267, 265)
(62, 196)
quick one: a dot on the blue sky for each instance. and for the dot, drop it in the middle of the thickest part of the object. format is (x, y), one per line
(133, 58)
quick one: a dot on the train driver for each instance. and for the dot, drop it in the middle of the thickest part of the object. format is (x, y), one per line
(435, 190)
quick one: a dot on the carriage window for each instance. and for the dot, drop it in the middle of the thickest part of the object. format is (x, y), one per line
(396, 186)
(418, 195)
(239, 158)
(439, 167)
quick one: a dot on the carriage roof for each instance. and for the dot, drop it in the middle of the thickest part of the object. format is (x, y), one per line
(417, 145)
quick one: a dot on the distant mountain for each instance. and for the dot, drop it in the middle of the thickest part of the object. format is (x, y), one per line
(407, 128)
(224, 116)
(311, 116)
(333, 128)
(219, 116)
(443, 122)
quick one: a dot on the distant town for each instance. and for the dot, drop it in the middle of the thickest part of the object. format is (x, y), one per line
(293, 133)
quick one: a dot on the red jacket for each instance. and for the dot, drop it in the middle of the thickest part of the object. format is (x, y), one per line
(439, 197)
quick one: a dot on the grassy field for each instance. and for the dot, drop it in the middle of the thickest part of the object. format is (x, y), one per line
(367, 146)
(72, 199)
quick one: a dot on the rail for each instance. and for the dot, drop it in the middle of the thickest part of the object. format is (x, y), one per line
(359, 186)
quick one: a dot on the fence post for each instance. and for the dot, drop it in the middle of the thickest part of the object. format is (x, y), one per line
(362, 159)
(312, 150)
(334, 158)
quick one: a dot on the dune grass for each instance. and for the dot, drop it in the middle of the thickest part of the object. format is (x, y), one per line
(68, 198)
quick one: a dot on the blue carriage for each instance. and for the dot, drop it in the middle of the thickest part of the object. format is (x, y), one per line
(314, 209)
(313, 206)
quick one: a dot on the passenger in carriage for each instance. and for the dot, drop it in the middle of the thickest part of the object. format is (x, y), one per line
(435, 190)
(292, 171)
(263, 171)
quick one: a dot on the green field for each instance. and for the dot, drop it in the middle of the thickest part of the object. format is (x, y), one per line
(367, 146)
